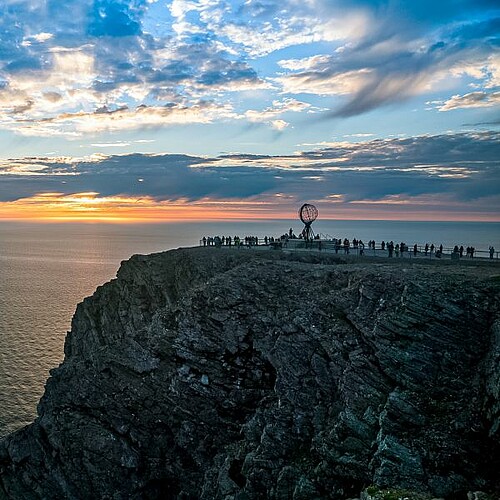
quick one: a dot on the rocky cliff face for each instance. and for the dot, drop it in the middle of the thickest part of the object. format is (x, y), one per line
(207, 373)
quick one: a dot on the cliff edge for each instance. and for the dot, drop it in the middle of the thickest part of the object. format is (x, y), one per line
(224, 374)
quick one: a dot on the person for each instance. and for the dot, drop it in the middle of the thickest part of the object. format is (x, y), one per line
(382, 245)
(397, 249)
(432, 247)
(361, 247)
(390, 247)
(472, 250)
(461, 251)
(415, 250)
(204, 241)
(492, 251)
(426, 248)
(441, 248)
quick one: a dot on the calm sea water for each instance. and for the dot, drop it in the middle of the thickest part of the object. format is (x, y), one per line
(46, 269)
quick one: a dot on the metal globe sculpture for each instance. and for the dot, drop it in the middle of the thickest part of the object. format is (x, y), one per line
(308, 214)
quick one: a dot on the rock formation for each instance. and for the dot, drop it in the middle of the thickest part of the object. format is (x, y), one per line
(234, 374)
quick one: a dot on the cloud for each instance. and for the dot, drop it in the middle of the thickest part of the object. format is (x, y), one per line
(279, 125)
(391, 64)
(257, 29)
(471, 100)
(455, 172)
(108, 120)
(271, 114)
(92, 54)
(362, 134)
(119, 144)
(478, 124)
(130, 53)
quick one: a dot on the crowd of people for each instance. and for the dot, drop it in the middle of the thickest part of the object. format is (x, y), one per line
(400, 249)
(237, 241)
(346, 246)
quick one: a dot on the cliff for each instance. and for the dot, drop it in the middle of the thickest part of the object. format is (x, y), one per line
(216, 374)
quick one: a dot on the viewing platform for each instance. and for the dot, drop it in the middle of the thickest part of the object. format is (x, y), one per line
(330, 246)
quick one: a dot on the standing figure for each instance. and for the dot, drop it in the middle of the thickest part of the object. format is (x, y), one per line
(390, 247)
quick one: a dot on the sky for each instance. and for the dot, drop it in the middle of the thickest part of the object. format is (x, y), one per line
(150, 110)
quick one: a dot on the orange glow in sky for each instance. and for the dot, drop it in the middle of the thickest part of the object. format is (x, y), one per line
(91, 207)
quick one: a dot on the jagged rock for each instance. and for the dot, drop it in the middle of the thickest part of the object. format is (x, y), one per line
(217, 374)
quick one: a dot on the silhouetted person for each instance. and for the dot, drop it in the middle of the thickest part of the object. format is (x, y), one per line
(346, 246)
(415, 250)
(492, 251)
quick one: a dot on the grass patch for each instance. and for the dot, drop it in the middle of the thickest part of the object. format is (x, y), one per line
(376, 493)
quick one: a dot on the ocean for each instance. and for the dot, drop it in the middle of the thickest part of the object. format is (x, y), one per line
(47, 268)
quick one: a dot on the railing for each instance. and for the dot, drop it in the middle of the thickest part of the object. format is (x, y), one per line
(330, 246)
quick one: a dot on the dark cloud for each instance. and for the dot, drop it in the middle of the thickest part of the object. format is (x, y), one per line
(407, 45)
(486, 124)
(466, 165)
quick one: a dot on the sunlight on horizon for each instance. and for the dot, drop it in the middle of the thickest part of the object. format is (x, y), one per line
(91, 207)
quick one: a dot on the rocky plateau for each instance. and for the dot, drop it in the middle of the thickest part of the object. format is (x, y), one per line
(215, 373)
